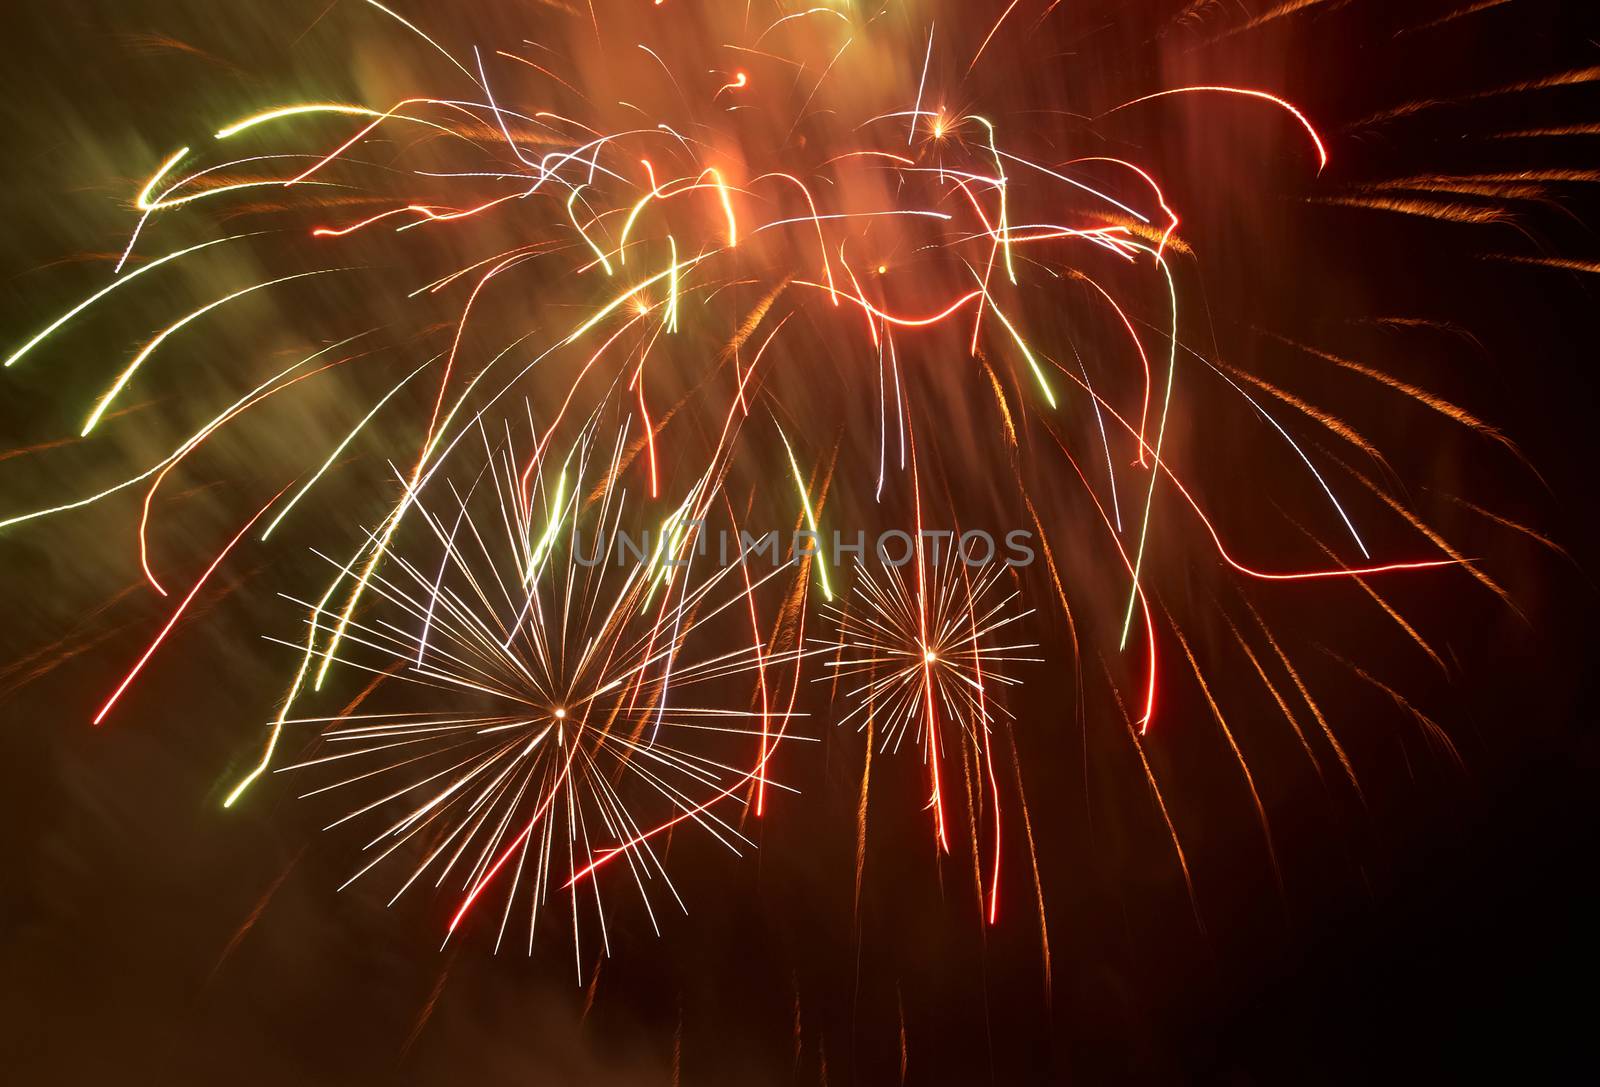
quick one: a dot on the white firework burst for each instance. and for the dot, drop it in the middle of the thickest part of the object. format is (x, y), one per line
(922, 652)
(546, 709)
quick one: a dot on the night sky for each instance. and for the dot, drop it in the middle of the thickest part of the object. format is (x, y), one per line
(1437, 924)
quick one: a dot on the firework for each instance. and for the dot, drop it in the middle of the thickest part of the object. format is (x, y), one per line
(788, 267)
(918, 657)
(547, 676)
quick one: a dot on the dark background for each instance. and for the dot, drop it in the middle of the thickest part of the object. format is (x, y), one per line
(1441, 929)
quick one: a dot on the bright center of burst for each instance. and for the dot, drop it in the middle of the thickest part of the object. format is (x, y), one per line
(561, 714)
(930, 656)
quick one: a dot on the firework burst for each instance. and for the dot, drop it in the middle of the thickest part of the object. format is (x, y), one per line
(924, 657)
(558, 700)
(792, 264)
